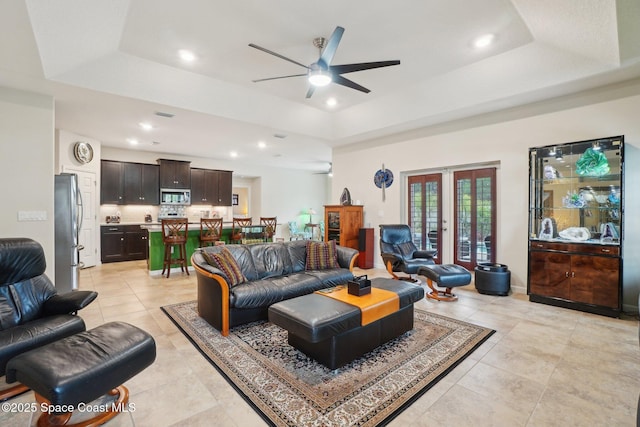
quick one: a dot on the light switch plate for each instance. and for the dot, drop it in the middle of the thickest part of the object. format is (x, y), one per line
(32, 215)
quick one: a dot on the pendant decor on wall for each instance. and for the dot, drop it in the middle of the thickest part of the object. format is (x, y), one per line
(345, 198)
(383, 179)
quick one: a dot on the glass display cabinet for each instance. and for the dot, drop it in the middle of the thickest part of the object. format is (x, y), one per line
(575, 225)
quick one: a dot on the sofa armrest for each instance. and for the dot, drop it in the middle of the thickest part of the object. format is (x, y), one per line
(425, 254)
(68, 303)
(213, 294)
(347, 257)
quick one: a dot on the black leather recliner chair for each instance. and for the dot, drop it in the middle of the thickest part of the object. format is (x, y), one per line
(399, 253)
(32, 313)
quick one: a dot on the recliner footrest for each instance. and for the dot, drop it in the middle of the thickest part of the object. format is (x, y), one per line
(84, 366)
(446, 276)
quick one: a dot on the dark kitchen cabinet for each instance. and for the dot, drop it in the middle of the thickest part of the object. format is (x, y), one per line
(141, 184)
(175, 174)
(211, 187)
(111, 183)
(225, 182)
(123, 243)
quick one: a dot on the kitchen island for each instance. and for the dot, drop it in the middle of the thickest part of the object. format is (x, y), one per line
(156, 247)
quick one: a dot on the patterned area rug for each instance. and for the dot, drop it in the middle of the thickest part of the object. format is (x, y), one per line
(287, 388)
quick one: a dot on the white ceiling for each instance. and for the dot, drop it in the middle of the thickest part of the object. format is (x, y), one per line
(112, 64)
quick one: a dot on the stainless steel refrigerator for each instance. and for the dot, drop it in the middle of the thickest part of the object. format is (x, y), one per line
(68, 222)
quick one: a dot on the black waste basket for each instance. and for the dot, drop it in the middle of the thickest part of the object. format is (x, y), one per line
(492, 279)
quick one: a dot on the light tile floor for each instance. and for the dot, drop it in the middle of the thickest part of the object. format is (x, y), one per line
(545, 366)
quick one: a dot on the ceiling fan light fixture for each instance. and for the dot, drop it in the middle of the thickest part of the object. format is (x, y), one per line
(319, 77)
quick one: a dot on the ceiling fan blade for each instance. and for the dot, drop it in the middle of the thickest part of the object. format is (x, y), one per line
(339, 80)
(310, 91)
(270, 52)
(350, 68)
(281, 77)
(331, 47)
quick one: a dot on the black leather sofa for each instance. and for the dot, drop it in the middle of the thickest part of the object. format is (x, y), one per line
(274, 272)
(32, 313)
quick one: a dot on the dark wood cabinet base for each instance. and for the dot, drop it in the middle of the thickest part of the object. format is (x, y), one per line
(589, 308)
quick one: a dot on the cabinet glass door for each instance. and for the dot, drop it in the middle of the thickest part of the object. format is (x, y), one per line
(576, 192)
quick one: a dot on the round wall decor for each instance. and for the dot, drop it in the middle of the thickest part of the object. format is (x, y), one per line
(83, 152)
(384, 177)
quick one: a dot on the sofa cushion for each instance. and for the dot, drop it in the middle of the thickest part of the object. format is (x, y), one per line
(332, 277)
(225, 261)
(321, 255)
(241, 254)
(271, 259)
(297, 255)
(263, 293)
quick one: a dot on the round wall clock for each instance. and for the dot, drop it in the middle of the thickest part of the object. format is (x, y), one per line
(83, 152)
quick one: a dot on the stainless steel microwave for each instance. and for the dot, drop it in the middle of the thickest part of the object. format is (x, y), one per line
(172, 196)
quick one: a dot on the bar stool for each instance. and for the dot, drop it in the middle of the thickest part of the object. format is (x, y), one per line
(174, 233)
(269, 224)
(210, 231)
(236, 230)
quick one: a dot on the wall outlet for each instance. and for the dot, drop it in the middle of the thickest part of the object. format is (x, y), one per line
(32, 215)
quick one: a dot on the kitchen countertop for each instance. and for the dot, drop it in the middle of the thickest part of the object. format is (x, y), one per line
(154, 223)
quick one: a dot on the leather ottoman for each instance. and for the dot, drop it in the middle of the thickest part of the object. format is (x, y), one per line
(81, 368)
(446, 276)
(331, 331)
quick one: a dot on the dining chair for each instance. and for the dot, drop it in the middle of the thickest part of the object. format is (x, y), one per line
(236, 228)
(269, 224)
(174, 233)
(210, 231)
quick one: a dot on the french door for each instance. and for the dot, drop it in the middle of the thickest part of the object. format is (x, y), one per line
(474, 217)
(473, 196)
(425, 212)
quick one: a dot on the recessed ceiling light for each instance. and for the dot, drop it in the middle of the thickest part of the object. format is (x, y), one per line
(132, 141)
(262, 144)
(484, 41)
(332, 102)
(146, 126)
(186, 55)
(233, 154)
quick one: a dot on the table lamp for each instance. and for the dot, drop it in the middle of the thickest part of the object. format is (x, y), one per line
(311, 213)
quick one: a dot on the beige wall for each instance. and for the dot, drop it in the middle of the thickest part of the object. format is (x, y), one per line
(504, 144)
(27, 167)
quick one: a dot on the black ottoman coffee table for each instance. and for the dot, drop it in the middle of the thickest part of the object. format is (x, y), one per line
(332, 331)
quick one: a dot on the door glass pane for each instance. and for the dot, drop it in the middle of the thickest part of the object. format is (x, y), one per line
(484, 204)
(432, 210)
(415, 212)
(464, 215)
(425, 211)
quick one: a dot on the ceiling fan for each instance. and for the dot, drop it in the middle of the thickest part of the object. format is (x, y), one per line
(321, 72)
